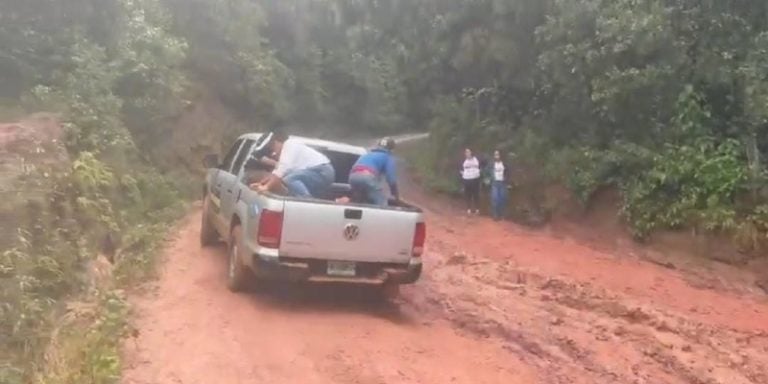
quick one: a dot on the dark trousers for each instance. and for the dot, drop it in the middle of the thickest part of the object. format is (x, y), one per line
(472, 193)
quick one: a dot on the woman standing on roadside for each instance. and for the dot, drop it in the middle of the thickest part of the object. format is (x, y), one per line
(499, 182)
(470, 175)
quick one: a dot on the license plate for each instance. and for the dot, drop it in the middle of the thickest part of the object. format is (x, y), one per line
(341, 268)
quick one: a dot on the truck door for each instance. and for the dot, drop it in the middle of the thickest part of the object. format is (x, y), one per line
(231, 183)
(219, 186)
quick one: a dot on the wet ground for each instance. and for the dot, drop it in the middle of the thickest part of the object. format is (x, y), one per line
(497, 303)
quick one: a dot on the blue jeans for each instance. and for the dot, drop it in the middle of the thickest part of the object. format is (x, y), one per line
(366, 188)
(498, 199)
(310, 182)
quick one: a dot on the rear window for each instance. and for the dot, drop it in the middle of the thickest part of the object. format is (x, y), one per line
(342, 162)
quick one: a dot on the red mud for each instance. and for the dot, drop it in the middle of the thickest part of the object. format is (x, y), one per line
(497, 304)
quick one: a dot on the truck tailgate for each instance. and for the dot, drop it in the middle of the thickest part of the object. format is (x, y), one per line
(324, 231)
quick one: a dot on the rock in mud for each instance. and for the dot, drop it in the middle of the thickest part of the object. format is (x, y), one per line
(457, 259)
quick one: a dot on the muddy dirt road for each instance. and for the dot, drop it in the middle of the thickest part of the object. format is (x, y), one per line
(497, 304)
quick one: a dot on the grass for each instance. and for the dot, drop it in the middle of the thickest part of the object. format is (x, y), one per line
(10, 110)
(419, 159)
(86, 348)
(65, 307)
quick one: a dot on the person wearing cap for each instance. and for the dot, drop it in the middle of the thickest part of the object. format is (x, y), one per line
(366, 174)
(304, 171)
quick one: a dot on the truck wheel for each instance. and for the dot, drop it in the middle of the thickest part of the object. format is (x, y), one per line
(239, 277)
(208, 235)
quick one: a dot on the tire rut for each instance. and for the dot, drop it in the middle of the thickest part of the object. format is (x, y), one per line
(585, 325)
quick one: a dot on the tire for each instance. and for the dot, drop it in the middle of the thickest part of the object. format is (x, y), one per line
(239, 277)
(208, 234)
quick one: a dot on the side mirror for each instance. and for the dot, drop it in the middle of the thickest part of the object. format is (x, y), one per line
(211, 161)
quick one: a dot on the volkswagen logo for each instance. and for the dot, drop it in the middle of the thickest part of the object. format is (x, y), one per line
(351, 232)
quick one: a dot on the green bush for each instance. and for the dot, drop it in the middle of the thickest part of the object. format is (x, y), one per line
(109, 191)
(688, 186)
(49, 265)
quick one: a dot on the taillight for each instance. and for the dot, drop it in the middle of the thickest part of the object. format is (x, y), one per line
(270, 229)
(419, 236)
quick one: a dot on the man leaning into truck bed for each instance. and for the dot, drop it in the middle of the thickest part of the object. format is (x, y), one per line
(365, 177)
(305, 171)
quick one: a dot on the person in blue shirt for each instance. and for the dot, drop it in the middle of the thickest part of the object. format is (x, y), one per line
(366, 174)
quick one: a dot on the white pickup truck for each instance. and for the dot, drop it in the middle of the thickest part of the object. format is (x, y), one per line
(315, 240)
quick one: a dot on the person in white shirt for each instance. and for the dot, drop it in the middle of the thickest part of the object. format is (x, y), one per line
(499, 182)
(304, 171)
(470, 175)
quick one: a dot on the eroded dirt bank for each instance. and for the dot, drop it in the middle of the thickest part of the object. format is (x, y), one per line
(497, 304)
